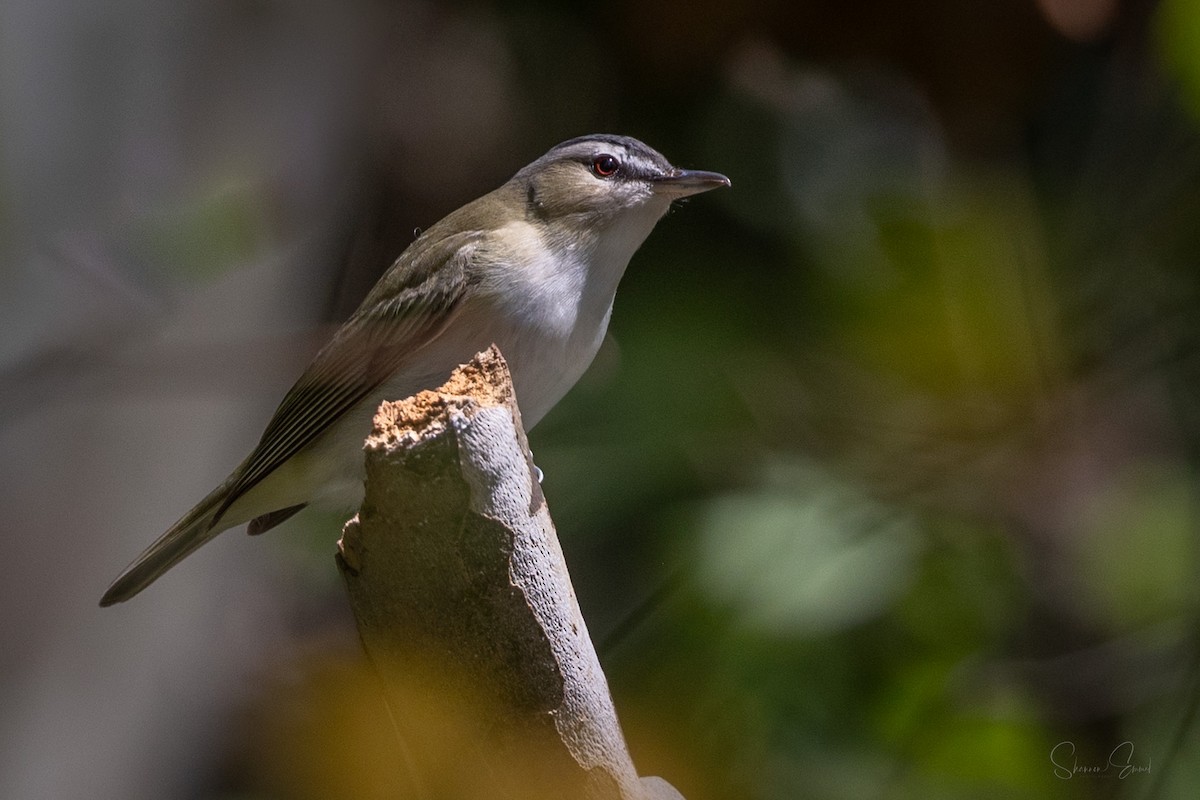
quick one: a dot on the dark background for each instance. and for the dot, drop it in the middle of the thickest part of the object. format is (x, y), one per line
(885, 484)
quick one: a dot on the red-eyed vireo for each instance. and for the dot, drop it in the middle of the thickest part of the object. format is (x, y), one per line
(532, 267)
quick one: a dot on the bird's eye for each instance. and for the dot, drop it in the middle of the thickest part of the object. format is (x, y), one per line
(605, 166)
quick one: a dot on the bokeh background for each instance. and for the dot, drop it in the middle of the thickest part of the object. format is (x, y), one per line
(884, 486)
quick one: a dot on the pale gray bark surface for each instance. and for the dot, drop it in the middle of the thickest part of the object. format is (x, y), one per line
(466, 609)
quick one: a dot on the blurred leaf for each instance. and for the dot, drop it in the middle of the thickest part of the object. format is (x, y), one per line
(808, 554)
(985, 741)
(1000, 752)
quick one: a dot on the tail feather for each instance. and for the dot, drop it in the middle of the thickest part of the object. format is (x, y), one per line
(195, 528)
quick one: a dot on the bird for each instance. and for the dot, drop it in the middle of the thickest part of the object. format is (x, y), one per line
(532, 267)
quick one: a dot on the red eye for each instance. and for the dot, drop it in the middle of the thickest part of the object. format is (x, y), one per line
(605, 165)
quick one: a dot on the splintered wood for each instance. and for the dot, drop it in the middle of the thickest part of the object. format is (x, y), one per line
(482, 382)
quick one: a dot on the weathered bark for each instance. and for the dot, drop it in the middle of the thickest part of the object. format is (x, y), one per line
(465, 607)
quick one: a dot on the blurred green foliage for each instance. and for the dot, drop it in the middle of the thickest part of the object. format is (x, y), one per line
(887, 483)
(1177, 25)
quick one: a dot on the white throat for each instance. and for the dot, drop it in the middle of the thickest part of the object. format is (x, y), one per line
(555, 300)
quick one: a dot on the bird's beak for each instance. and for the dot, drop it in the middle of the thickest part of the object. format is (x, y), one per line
(685, 182)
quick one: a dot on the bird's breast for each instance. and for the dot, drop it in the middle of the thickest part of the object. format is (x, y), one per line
(548, 306)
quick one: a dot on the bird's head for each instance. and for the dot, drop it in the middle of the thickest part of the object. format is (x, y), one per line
(597, 179)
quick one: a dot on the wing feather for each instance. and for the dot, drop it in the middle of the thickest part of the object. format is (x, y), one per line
(407, 310)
